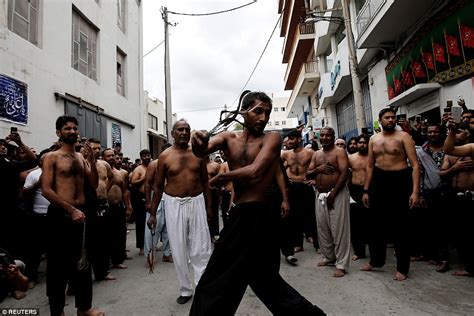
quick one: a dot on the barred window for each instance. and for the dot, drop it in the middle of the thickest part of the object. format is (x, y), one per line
(23, 19)
(121, 72)
(84, 46)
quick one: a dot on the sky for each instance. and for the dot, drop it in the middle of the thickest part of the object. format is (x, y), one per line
(213, 56)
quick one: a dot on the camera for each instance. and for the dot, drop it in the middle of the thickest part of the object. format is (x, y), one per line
(13, 130)
(4, 259)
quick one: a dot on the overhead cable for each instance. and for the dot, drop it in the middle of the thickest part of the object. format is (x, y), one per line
(151, 50)
(212, 13)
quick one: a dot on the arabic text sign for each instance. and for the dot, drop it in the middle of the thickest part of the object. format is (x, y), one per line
(13, 100)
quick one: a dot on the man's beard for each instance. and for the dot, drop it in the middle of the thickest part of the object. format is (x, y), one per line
(69, 139)
(389, 128)
(364, 151)
(352, 150)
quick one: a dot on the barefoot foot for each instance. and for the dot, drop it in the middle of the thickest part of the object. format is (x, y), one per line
(141, 252)
(120, 266)
(339, 273)
(91, 312)
(298, 249)
(462, 273)
(18, 295)
(109, 277)
(324, 263)
(366, 267)
(443, 267)
(400, 276)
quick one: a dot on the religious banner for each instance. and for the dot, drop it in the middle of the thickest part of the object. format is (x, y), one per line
(441, 51)
(116, 134)
(13, 100)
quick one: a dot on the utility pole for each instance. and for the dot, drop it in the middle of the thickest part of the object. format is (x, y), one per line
(168, 109)
(354, 67)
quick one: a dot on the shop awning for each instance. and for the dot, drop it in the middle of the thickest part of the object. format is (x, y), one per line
(413, 94)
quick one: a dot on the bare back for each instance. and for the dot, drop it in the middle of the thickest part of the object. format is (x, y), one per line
(139, 173)
(297, 162)
(103, 172)
(358, 164)
(389, 150)
(183, 172)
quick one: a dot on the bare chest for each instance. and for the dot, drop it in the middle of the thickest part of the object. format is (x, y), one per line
(300, 159)
(388, 146)
(243, 153)
(68, 166)
(323, 158)
(183, 163)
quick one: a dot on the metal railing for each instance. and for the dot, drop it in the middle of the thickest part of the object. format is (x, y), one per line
(367, 13)
(306, 28)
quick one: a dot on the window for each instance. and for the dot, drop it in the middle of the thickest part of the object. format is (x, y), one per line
(23, 19)
(283, 109)
(120, 72)
(269, 123)
(153, 122)
(275, 110)
(283, 122)
(84, 46)
(121, 14)
(277, 123)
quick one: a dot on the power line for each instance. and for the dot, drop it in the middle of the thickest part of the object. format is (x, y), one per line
(212, 13)
(205, 109)
(258, 61)
(154, 48)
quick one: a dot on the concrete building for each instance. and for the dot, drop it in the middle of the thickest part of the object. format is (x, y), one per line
(156, 124)
(416, 58)
(75, 57)
(279, 119)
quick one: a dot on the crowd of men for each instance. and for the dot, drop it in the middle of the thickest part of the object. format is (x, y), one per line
(73, 201)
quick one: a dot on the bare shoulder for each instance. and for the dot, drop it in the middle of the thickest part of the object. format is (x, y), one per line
(309, 151)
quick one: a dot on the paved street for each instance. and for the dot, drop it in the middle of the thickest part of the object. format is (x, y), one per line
(426, 292)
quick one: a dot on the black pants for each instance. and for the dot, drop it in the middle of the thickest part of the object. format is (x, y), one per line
(64, 251)
(99, 246)
(138, 204)
(117, 233)
(464, 206)
(359, 218)
(225, 205)
(37, 241)
(213, 222)
(244, 256)
(389, 195)
(302, 213)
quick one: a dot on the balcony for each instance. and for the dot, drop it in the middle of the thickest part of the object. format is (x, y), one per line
(308, 80)
(300, 52)
(382, 22)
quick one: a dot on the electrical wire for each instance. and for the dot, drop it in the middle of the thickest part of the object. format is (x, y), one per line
(258, 61)
(212, 13)
(154, 48)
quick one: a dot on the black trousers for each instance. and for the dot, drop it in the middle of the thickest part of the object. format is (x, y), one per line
(359, 218)
(464, 206)
(213, 222)
(225, 205)
(302, 213)
(37, 241)
(389, 195)
(99, 246)
(244, 256)
(138, 204)
(64, 251)
(117, 233)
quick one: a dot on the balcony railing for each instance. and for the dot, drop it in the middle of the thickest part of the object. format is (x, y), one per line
(306, 28)
(367, 13)
(310, 67)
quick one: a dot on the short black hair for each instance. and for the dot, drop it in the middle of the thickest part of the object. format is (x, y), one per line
(63, 120)
(247, 98)
(385, 110)
(351, 139)
(103, 151)
(144, 152)
(363, 136)
(327, 128)
(93, 140)
(293, 133)
(470, 111)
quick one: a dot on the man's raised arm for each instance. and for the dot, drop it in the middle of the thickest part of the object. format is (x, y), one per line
(203, 146)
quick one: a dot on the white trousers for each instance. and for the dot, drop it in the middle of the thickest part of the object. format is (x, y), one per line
(334, 228)
(189, 237)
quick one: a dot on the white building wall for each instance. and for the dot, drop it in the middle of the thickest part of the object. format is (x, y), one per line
(47, 69)
(280, 116)
(378, 89)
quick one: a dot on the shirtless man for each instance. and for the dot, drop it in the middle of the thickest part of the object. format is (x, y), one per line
(137, 181)
(330, 168)
(213, 169)
(462, 200)
(247, 252)
(352, 146)
(359, 218)
(64, 175)
(185, 195)
(160, 229)
(301, 218)
(99, 223)
(393, 188)
(119, 207)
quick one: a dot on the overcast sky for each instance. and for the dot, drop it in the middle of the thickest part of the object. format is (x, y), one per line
(212, 56)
